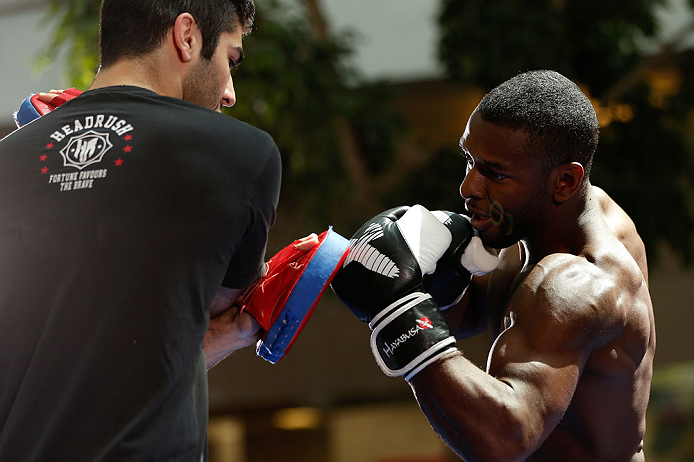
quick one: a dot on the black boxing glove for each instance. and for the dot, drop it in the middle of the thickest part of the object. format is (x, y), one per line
(382, 282)
(464, 257)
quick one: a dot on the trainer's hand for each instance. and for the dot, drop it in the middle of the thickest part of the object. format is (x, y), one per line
(231, 328)
(41, 104)
(308, 242)
(229, 331)
(49, 96)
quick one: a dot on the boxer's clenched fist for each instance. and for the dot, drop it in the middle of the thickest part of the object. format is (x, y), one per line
(382, 282)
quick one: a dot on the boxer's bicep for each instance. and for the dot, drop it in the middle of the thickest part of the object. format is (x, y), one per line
(543, 378)
(546, 339)
(505, 413)
(531, 376)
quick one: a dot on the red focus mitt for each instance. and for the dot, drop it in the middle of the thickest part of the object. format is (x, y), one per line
(284, 298)
(33, 108)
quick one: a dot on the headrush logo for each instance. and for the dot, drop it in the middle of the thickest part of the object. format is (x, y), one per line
(85, 149)
(360, 251)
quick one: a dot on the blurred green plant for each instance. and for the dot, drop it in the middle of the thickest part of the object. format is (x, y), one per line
(334, 130)
(644, 160)
(75, 34)
(344, 146)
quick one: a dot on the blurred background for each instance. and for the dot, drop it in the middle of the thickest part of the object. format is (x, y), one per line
(366, 100)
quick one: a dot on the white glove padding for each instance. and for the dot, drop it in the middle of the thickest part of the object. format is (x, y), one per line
(477, 259)
(426, 236)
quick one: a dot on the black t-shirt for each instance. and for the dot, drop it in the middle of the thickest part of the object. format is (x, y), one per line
(121, 214)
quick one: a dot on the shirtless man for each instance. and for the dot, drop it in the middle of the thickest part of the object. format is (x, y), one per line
(568, 375)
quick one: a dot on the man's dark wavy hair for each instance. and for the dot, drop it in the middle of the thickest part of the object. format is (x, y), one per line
(558, 116)
(132, 28)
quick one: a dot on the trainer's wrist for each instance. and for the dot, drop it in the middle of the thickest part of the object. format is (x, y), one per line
(409, 335)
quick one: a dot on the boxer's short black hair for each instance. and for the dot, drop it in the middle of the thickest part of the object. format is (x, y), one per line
(132, 28)
(558, 116)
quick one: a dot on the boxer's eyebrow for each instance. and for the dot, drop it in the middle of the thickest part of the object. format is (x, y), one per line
(488, 163)
(494, 165)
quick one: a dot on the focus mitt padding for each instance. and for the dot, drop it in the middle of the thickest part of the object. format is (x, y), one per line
(32, 107)
(284, 298)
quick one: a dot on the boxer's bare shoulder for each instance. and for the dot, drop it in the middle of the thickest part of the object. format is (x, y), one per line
(569, 294)
(605, 281)
(597, 303)
(601, 292)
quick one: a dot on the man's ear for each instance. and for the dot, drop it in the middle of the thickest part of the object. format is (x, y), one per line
(568, 181)
(186, 37)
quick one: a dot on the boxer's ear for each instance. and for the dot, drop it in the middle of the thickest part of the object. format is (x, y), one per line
(567, 180)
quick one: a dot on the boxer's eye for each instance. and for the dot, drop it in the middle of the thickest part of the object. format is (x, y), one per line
(491, 173)
(468, 158)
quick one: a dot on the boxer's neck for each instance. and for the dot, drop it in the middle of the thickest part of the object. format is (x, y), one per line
(565, 228)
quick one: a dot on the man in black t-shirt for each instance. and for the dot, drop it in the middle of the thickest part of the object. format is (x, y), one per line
(131, 219)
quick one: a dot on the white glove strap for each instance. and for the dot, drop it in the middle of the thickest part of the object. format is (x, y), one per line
(409, 335)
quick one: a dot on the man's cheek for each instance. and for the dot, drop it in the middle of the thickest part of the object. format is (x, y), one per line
(500, 218)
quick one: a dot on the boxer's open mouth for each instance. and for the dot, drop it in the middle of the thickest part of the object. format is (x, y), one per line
(480, 221)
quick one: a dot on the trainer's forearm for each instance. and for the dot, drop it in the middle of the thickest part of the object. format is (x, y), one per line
(213, 344)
